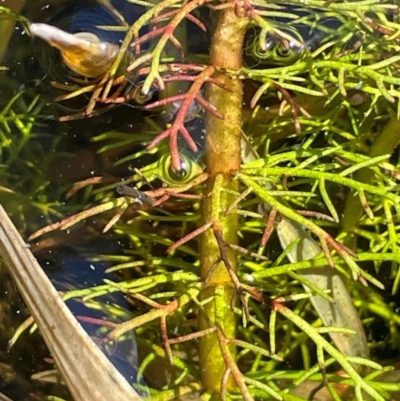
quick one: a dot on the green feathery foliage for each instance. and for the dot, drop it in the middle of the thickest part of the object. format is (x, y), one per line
(262, 252)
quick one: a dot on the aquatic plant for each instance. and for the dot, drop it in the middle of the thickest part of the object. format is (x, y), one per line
(258, 265)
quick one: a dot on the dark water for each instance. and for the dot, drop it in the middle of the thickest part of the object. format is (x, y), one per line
(41, 170)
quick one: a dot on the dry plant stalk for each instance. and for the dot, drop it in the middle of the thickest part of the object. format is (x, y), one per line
(88, 373)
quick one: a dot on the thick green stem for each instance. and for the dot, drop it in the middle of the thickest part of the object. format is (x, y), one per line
(223, 159)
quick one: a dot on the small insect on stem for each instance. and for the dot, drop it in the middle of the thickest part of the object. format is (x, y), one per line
(140, 196)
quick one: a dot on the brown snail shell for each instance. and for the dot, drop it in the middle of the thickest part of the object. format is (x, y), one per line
(82, 52)
(81, 47)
